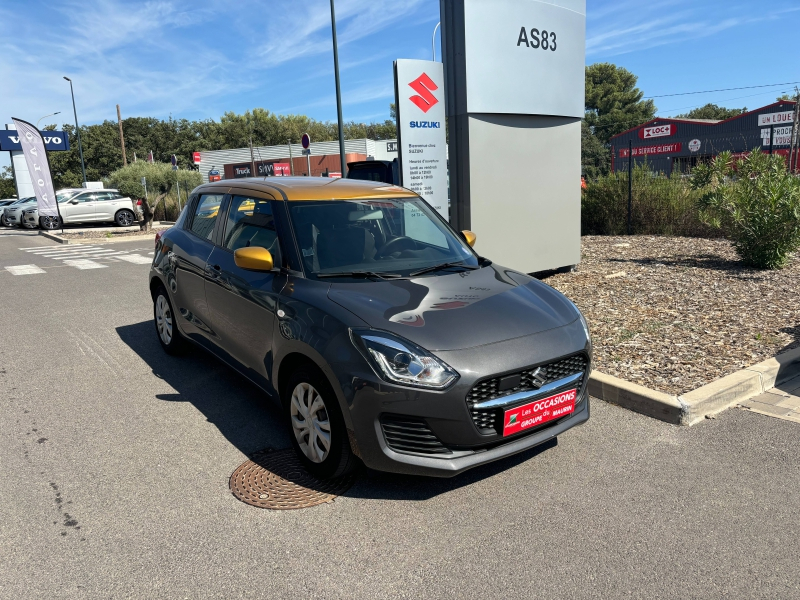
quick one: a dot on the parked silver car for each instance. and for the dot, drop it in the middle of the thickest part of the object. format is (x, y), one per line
(12, 215)
(78, 205)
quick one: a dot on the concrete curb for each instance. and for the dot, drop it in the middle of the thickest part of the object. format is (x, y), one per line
(705, 401)
(54, 237)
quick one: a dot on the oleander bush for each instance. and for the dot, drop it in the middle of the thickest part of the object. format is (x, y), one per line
(756, 201)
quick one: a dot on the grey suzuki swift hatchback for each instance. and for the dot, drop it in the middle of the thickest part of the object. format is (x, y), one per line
(378, 329)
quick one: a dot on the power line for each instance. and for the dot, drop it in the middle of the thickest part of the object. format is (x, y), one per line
(749, 87)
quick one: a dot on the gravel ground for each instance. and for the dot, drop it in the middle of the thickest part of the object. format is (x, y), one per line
(95, 235)
(673, 314)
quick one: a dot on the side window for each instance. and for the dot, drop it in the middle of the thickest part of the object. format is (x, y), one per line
(205, 215)
(251, 223)
(84, 198)
(103, 196)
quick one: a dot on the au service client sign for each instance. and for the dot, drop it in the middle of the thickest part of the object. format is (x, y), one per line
(525, 57)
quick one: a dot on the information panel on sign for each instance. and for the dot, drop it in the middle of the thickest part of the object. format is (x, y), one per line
(525, 57)
(419, 91)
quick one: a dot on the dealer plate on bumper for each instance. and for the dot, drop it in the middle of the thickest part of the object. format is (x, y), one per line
(536, 413)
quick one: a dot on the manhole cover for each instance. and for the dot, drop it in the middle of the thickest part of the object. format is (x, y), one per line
(278, 481)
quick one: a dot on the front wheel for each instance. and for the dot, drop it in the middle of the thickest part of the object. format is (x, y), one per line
(167, 330)
(318, 432)
(50, 222)
(124, 218)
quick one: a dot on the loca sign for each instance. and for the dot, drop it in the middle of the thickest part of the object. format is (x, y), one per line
(656, 131)
(53, 140)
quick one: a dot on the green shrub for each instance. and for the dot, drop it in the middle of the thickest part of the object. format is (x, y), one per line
(662, 205)
(756, 201)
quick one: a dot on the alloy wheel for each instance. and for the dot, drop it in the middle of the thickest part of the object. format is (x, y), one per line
(125, 218)
(164, 320)
(310, 422)
(50, 222)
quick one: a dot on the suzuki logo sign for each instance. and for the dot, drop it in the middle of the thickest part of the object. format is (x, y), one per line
(424, 86)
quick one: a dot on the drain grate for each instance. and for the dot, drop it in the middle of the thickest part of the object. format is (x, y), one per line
(276, 480)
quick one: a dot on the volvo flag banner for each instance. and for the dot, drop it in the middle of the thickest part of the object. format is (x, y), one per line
(422, 141)
(39, 167)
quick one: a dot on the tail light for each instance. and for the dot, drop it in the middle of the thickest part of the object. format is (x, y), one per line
(158, 237)
(138, 203)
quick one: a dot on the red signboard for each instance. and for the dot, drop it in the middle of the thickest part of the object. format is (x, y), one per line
(282, 169)
(647, 150)
(656, 131)
(196, 158)
(539, 412)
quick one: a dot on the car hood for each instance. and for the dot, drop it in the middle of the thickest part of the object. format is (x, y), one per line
(457, 310)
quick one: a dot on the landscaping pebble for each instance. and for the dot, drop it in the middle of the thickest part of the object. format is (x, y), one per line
(686, 313)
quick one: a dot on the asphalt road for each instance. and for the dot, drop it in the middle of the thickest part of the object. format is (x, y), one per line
(115, 463)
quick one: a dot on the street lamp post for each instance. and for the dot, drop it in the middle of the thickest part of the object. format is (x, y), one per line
(338, 91)
(77, 128)
(44, 117)
(433, 41)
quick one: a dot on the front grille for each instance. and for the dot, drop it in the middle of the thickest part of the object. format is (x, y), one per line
(410, 434)
(489, 389)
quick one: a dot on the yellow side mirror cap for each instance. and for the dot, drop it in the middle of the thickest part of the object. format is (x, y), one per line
(253, 258)
(470, 237)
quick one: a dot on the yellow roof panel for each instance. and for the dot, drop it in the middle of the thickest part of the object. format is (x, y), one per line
(316, 188)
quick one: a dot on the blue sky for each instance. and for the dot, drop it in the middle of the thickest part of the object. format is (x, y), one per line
(201, 58)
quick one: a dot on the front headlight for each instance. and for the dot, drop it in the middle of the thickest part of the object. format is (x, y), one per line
(399, 361)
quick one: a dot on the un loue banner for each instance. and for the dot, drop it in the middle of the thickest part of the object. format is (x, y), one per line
(419, 90)
(32, 146)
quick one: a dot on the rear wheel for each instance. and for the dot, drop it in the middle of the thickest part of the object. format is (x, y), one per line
(171, 339)
(124, 218)
(318, 432)
(50, 222)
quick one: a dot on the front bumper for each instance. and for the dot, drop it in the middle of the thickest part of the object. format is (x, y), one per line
(456, 444)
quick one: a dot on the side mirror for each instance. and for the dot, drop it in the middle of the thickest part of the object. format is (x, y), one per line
(253, 258)
(469, 237)
(75, 201)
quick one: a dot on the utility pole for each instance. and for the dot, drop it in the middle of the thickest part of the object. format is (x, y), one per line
(121, 138)
(771, 137)
(77, 128)
(630, 183)
(794, 147)
(338, 93)
(291, 158)
(252, 159)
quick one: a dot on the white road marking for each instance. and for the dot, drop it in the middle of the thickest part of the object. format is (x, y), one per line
(25, 270)
(85, 264)
(136, 259)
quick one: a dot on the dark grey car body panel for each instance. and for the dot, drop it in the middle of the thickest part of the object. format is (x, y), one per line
(487, 322)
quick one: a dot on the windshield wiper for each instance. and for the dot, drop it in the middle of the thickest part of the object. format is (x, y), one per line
(364, 274)
(446, 265)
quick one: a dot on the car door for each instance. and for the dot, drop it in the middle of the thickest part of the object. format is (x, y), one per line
(104, 208)
(191, 249)
(243, 303)
(78, 209)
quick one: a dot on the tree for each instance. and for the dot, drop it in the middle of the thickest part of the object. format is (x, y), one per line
(160, 180)
(712, 111)
(595, 158)
(7, 187)
(613, 102)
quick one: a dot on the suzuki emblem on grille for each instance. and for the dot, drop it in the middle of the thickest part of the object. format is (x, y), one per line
(539, 377)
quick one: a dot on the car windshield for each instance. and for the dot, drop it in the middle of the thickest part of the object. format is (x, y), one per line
(386, 236)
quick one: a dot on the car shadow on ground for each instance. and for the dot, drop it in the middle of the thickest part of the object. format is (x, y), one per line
(251, 420)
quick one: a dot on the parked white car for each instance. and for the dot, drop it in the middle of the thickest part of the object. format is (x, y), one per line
(85, 206)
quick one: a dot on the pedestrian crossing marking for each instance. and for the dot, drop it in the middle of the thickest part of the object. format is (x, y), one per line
(136, 259)
(25, 270)
(84, 263)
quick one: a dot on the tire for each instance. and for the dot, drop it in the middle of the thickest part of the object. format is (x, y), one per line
(124, 218)
(50, 223)
(308, 387)
(166, 328)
